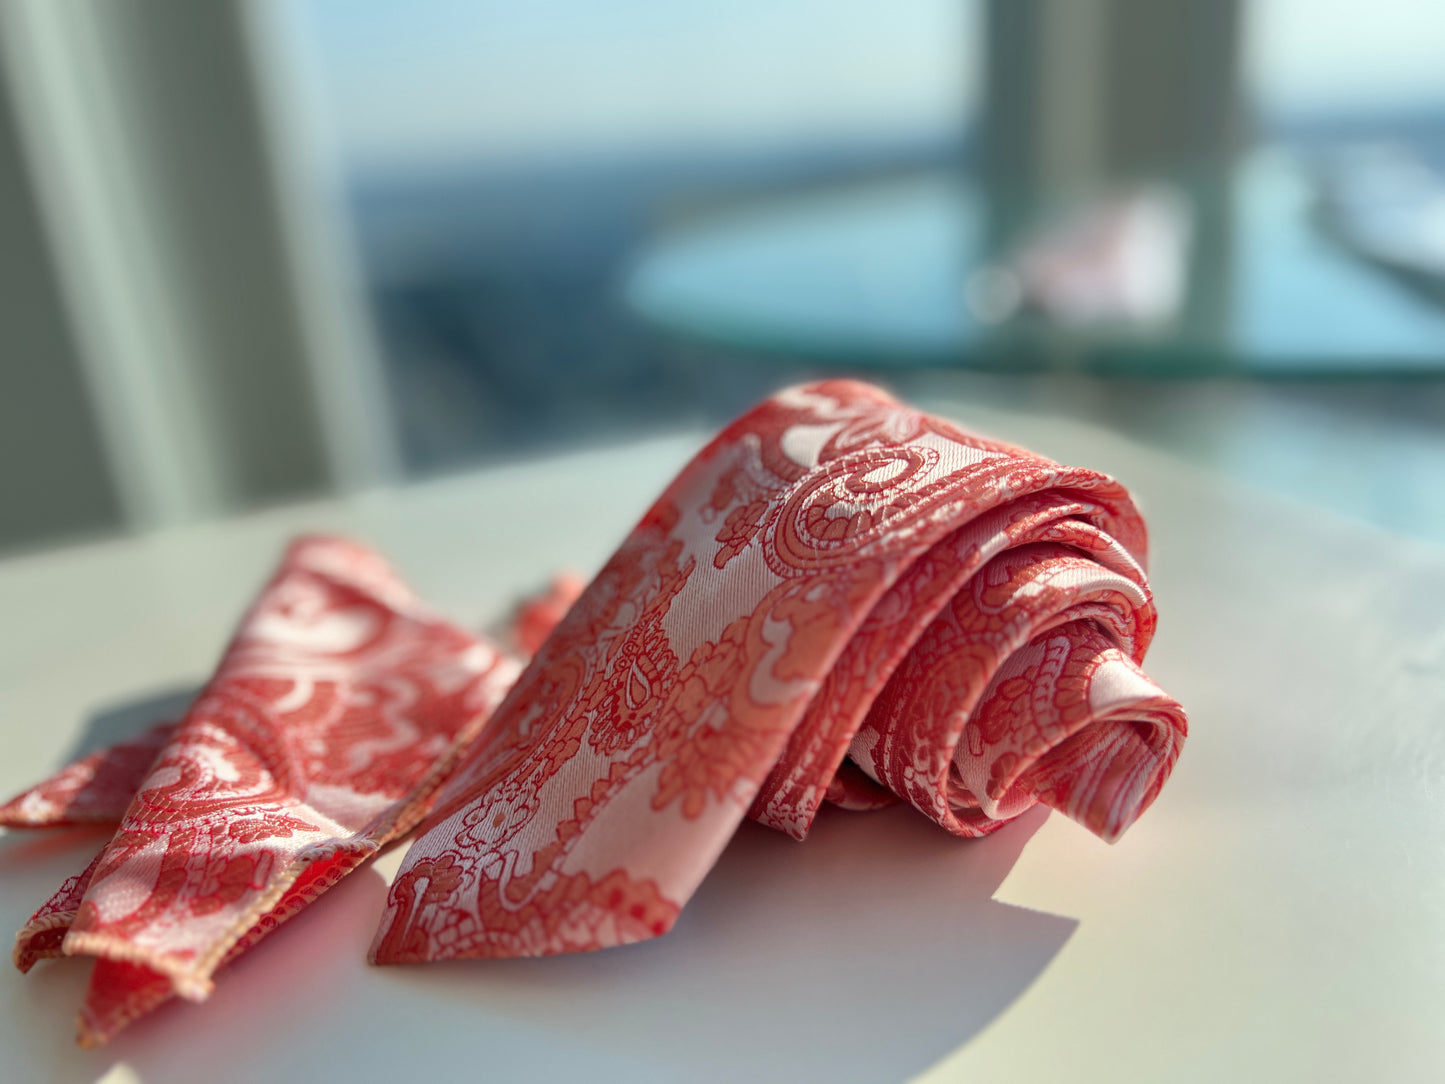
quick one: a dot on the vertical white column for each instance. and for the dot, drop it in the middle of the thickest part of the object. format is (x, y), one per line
(194, 223)
(85, 149)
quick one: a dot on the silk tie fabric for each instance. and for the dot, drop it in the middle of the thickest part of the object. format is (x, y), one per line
(336, 712)
(838, 598)
(96, 789)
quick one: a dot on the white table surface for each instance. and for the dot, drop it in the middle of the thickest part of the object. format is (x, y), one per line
(1279, 914)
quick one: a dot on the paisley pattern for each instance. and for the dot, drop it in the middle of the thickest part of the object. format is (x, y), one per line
(96, 789)
(335, 713)
(837, 599)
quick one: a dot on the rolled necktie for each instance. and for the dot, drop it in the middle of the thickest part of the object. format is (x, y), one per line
(838, 599)
(336, 712)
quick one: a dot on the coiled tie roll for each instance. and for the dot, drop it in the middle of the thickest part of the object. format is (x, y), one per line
(838, 599)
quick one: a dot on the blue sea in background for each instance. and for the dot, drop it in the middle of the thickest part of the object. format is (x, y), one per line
(496, 287)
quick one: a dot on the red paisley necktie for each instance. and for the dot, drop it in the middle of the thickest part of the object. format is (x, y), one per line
(837, 598)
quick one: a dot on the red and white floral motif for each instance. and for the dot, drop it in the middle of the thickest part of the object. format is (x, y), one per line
(833, 576)
(97, 789)
(839, 599)
(336, 712)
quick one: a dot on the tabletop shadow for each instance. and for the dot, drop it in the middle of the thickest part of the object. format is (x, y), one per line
(867, 953)
(102, 728)
(119, 722)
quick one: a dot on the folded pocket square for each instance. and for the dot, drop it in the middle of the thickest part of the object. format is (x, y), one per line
(96, 789)
(336, 712)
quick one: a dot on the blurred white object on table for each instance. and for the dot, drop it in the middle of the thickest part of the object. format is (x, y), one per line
(1122, 259)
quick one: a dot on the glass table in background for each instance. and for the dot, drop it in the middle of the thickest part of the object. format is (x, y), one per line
(1292, 363)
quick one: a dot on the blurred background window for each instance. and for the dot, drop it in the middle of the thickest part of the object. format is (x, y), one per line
(502, 163)
(263, 249)
(1327, 73)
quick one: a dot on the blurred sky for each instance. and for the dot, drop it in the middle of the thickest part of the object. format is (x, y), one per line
(441, 80)
(436, 82)
(1324, 56)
